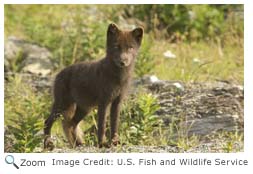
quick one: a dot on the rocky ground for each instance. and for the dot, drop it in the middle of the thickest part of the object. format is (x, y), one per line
(203, 107)
(211, 147)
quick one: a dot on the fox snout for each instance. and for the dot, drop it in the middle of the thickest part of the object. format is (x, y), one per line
(123, 62)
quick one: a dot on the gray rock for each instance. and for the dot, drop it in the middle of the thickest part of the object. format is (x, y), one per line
(31, 57)
(38, 83)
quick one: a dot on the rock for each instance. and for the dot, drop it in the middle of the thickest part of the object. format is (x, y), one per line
(196, 60)
(39, 83)
(169, 55)
(178, 86)
(29, 57)
(200, 108)
(148, 80)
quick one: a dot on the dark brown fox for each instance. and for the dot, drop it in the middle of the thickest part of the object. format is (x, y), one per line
(104, 83)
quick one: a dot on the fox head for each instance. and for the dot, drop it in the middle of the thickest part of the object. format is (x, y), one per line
(122, 46)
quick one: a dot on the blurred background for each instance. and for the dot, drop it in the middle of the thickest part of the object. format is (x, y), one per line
(182, 42)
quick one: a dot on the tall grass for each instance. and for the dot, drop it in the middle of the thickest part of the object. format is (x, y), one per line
(200, 61)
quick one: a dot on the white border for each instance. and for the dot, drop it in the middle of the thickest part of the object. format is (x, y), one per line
(248, 148)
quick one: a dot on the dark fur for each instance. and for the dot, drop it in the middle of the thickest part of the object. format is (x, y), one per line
(104, 83)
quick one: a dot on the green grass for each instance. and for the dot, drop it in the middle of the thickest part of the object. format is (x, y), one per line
(215, 63)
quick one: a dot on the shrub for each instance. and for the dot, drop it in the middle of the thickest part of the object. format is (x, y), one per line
(189, 22)
(24, 116)
(140, 124)
(25, 130)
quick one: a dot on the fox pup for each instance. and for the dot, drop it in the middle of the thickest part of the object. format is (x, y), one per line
(103, 84)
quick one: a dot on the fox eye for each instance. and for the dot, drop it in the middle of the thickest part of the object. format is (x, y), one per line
(116, 46)
(131, 48)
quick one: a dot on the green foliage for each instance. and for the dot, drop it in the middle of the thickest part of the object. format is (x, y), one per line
(90, 129)
(178, 133)
(145, 60)
(77, 32)
(186, 142)
(15, 64)
(70, 36)
(232, 139)
(25, 133)
(24, 114)
(190, 22)
(200, 61)
(139, 122)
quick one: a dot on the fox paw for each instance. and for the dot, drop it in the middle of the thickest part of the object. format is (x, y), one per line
(115, 142)
(48, 143)
(106, 145)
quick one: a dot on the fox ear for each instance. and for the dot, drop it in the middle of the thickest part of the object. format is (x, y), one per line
(112, 29)
(138, 34)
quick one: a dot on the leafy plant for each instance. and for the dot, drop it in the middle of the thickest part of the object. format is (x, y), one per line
(140, 122)
(24, 114)
(26, 132)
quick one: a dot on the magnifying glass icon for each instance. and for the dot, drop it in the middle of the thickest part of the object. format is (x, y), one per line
(9, 159)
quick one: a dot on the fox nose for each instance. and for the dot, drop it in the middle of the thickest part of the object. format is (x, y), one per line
(122, 63)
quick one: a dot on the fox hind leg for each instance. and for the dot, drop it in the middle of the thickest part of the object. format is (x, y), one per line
(48, 142)
(78, 134)
(72, 129)
(67, 123)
